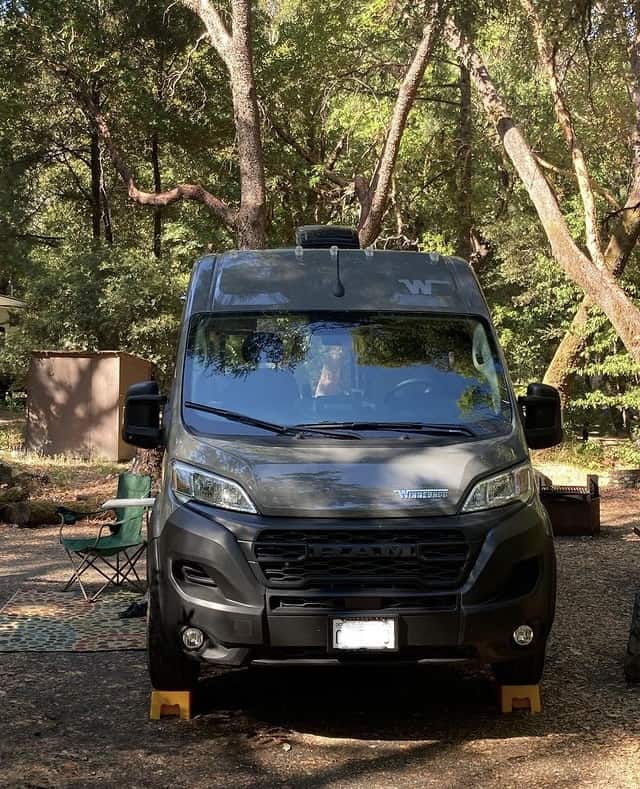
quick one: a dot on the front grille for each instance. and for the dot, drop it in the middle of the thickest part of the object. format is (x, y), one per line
(289, 604)
(363, 559)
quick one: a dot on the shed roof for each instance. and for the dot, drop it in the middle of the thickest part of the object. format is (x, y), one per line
(90, 354)
(9, 303)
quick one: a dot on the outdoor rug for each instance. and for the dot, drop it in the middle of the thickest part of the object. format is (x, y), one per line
(43, 620)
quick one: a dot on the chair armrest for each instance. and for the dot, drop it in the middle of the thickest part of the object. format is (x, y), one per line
(104, 526)
(112, 504)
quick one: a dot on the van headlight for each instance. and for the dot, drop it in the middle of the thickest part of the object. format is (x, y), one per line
(506, 488)
(190, 483)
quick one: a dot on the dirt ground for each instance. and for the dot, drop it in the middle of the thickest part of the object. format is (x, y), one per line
(73, 720)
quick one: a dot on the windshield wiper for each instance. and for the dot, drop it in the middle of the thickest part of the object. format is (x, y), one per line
(283, 430)
(406, 427)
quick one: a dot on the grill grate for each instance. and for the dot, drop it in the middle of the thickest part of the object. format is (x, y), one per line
(408, 559)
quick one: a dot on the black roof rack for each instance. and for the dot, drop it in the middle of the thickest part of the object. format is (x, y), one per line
(326, 236)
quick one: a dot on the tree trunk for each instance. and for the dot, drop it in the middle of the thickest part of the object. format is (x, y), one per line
(597, 283)
(157, 186)
(235, 49)
(106, 215)
(106, 209)
(252, 216)
(96, 180)
(463, 168)
(621, 244)
(560, 371)
(96, 167)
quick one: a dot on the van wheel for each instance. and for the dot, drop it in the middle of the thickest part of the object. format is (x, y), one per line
(632, 659)
(523, 671)
(169, 669)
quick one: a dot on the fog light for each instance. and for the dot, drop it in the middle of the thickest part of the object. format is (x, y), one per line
(523, 635)
(192, 637)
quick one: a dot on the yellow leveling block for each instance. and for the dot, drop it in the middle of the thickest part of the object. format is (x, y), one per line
(170, 702)
(520, 697)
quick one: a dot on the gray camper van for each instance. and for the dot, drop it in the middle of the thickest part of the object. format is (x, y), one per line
(346, 475)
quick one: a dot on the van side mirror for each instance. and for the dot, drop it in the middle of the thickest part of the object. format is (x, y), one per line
(143, 408)
(541, 416)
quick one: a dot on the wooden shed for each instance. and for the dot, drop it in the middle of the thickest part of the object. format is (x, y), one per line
(75, 402)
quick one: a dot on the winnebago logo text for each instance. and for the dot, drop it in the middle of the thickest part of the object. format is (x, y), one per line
(421, 287)
(422, 493)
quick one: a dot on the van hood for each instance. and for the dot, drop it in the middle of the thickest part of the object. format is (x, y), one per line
(324, 478)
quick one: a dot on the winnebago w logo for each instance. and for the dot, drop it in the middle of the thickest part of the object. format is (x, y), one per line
(422, 287)
(417, 287)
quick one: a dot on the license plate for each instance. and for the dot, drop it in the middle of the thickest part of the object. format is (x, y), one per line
(365, 633)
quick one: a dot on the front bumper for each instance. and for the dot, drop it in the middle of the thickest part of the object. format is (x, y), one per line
(203, 570)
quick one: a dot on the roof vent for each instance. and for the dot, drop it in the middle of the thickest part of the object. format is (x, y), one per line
(327, 236)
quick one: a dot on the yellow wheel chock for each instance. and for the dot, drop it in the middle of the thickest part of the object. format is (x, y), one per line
(170, 702)
(520, 697)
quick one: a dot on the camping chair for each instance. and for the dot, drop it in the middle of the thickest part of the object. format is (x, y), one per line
(121, 548)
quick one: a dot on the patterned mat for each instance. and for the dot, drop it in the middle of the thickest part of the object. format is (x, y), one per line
(43, 620)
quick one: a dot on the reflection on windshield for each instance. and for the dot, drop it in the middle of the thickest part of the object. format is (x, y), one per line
(331, 367)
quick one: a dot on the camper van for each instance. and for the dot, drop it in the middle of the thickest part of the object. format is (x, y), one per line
(346, 473)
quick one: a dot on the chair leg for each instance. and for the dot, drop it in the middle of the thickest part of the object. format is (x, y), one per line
(120, 572)
(129, 565)
(102, 588)
(77, 572)
(110, 579)
(89, 562)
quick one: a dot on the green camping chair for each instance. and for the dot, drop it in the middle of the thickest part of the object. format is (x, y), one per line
(119, 550)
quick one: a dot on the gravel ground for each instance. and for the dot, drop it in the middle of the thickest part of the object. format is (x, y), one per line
(73, 720)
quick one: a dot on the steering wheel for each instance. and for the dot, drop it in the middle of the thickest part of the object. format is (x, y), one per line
(407, 385)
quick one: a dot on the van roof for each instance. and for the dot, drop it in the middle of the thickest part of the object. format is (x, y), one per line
(292, 280)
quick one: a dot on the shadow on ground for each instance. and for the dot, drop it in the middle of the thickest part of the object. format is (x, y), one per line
(361, 703)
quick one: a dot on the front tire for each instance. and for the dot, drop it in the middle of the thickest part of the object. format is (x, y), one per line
(522, 671)
(169, 668)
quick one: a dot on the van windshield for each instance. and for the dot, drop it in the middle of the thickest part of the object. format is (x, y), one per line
(344, 369)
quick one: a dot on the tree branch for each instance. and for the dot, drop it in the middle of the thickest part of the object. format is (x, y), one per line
(307, 155)
(373, 206)
(174, 78)
(608, 196)
(194, 192)
(48, 241)
(76, 179)
(337, 150)
(547, 59)
(216, 28)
